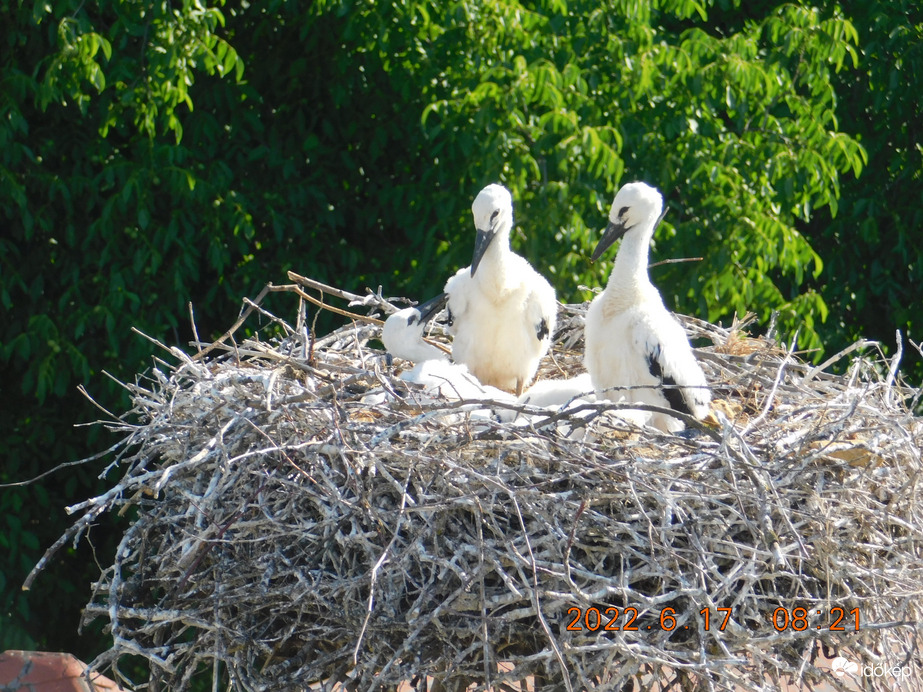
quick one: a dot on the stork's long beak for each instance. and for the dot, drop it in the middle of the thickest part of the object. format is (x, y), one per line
(481, 243)
(432, 306)
(613, 232)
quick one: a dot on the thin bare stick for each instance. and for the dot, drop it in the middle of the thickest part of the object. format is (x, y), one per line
(321, 304)
(676, 260)
(234, 327)
(813, 372)
(324, 288)
(61, 466)
(195, 331)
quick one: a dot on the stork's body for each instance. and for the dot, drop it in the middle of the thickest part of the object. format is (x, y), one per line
(571, 396)
(633, 343)
(502, 312)
(557, 393)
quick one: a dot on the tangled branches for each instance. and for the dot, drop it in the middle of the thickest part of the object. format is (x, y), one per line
(302, 518)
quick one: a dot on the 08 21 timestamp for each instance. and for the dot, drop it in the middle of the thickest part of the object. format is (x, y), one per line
(837, 620)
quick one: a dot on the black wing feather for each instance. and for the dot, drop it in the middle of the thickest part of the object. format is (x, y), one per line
(673, 394)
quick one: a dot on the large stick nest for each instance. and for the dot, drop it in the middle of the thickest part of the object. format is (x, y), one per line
(288, 532)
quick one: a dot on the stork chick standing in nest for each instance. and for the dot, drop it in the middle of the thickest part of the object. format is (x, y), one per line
(502, 313)
(633, 344)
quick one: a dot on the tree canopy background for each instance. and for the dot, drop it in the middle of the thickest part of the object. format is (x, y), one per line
(157, 154)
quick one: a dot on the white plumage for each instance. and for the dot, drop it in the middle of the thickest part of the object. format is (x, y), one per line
(569, 396)
(402, 333)
(402, 336)
(556, 393)
(502, 312)
(632, 341)
(556, 396)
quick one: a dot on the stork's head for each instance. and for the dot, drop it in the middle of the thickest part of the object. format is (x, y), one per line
(402, 333)
(493, 216)
(424, 312)
(636, 206)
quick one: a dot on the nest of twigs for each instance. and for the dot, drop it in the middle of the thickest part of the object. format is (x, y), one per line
(288, 533)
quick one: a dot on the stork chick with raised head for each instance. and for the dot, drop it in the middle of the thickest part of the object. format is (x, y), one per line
(402, 333)
(402, 336)
(502, 313)
(633, 343)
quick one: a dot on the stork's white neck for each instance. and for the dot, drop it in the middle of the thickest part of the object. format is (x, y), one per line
(493, 271)
(629, 281)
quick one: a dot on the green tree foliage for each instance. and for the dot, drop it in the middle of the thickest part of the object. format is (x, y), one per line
(872, 247)
(736, 126)
(101, 231)
(159, 153)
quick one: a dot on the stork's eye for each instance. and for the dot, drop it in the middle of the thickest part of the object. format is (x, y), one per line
(494, 215)
(623, 211)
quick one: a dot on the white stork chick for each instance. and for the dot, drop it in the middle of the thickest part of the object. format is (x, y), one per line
(556, 393)
(571, 393)
(502, 313)
(556, 396)
(632, 341)
(402, 336)
(402, 333)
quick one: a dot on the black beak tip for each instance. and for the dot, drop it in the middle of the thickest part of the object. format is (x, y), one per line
(598, 251)
(428, 309)
(610, 234)
(481, 243)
